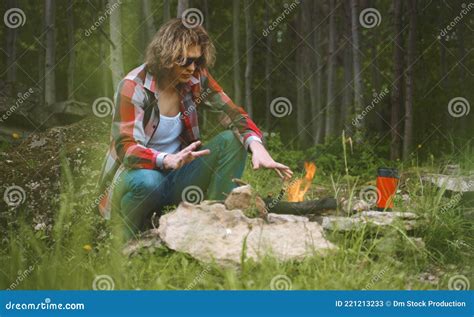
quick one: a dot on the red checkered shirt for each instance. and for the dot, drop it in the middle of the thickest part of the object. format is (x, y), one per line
(136, 117)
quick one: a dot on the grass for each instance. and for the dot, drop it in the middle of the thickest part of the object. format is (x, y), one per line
(82, 248)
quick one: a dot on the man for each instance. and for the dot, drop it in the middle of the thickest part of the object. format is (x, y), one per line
(155, 157)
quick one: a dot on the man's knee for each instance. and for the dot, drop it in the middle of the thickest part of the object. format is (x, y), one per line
(146, 181)
(230, 140)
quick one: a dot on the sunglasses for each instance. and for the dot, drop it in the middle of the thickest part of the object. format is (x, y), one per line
(198, 61)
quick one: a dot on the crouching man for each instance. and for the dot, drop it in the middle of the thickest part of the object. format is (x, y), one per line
(155, 156)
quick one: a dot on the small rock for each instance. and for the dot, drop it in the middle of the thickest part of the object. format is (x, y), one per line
(40, 226)
(37, 143)
(239, 198)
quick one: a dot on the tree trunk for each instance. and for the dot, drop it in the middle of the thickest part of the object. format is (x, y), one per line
(330, 104)
(398, 82)
(166, 10)
(182, 6)
(249, 45)
(41, 54)
(356, 60)
(299, 80)
(376, 117)
(461, 48)
(105, 71)
(348, 93)
(303, 60)
(268, 65)
(149, 21)
(116, 58)
(71, 42)
(11, 46)
(408, 133)
(49, 77)
(236, 52)
(207, 18)
(380, 113)
(443, 68)
(317, 96)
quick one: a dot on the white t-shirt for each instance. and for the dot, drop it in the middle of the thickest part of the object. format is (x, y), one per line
(166, 137)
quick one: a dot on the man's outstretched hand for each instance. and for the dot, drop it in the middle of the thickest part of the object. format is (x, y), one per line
(261, 158)
(183, 157)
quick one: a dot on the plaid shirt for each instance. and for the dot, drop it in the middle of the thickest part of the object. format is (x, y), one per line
(136, 117)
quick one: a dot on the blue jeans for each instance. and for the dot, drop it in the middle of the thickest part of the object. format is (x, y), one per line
(141, 192)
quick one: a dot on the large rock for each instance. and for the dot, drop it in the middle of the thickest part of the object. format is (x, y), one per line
(210, 231)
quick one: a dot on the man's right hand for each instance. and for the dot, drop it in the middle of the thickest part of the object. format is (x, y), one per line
(183, 157)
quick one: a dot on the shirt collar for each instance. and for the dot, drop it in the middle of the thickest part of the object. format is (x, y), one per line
(150, 82)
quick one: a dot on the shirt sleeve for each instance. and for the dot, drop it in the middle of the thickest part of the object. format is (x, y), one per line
(214, 97)
(127, 128)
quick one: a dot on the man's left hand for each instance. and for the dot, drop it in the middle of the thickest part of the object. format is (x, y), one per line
(262, 159)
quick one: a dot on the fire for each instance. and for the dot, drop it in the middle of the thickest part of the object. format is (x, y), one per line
(298, 188)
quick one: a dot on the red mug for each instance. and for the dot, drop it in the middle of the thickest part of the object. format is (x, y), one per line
(387, 182)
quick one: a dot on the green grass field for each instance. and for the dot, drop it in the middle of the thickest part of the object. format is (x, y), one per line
(76, 249)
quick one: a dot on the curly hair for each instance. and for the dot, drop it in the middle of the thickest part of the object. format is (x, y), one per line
(170, 45)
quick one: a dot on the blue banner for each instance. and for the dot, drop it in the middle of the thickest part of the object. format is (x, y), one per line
(236, 303)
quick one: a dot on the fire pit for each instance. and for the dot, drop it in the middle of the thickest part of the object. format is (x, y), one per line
(244, 197)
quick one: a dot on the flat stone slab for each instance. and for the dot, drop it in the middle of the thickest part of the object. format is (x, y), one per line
(371, 218)
(211, 232)
(453, 183)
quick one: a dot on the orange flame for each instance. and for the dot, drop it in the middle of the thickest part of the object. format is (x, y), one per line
(298, 188)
